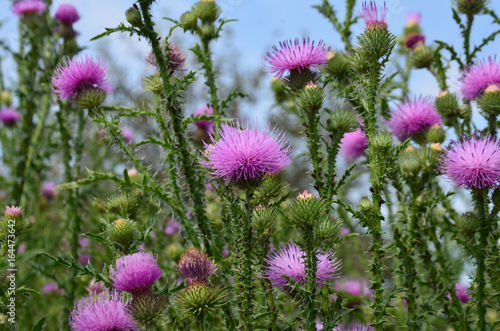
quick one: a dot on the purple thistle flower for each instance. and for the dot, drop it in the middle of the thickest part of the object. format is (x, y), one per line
(127, 134)
(413, 18)
(27, 7)
(246, 154)
(354, 287)
(175, 54)
(414, 40)
(51, 287)
(473, 163)
(67, 14)
(413, 117)
(13, 212)
(462, 292)
(354, 326)
(289, 261)
(135, 273)
(84, 242)
(48, 190)
(296, 55)
(353, 144)
(195, 266)
(103, 311)
(205, 125)
(370, 14)
(173, 227)
(84, 259)
(478, 77)
(79, 74)
(9, 116)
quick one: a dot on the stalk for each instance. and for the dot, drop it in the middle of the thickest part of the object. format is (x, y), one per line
(310, 293)
(480, 280)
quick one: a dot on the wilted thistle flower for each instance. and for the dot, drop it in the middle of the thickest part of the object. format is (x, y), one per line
(9, 116)
(413, 117)
(370, 14)
(473, 163)
(462, 292)
(353, 144)
(174, 56)
(67, 14)
(135, 273)
(479, 77)
(414, 40)
(246, 155)
(205, 125)
(296, 55)
(82, 80)
(29, 7)
(102, 311)
(195, 266)
(354, 326)
(290, 261)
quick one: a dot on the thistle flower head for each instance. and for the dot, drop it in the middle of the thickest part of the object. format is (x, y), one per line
(373, 16)
(289, 261)
(472, 163)
(413, 117)
(477, 78)
(246, 154)
(353, 144)
(78, 75)
(102, 311)
(305, 195)
(13, 212)
(354, 287)
(354, 326)
(195, 266)
(296, 55)
(29, 7)
(135, 273)
(414, 40)
(413, 18)
(172, 227)
(127, 134)
(205, 125)
(462, 292)
(175, 57)
(67, 14)
(48, 190)
(9, 116)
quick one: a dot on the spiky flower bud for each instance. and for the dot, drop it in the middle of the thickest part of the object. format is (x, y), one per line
(422, 57)
(89, 98)
(13, 213)
(207, 11)
(365, 206)
(146, 308)
(436, 134)
(328, 230)
(341, 121)
(189, 20)
(382, 141)
(468, 224)
(133, 16)
(338, 64)
(410, 163)
(428, 156)
(195, 267)
(447, 103)
(207, 31)
(311, 98)
(122, 231)
(5, 98)
(153, 83)
(490, 100)
(271, 188)
(199, 299)
(297, 80)
(263, 220)
(465, 111)
(12, 222)
(124, 204)
(307, 210)
(471, 7)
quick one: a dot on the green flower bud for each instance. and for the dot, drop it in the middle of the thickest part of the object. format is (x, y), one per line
(447, 103)
(207, 31)
(471, 7)
(89, 98)
(207, 11)
(133, 16)
(122, 231)
(296, 80)
(311, 98)
(146, 308)
(263, 220)
(271, 188)
(409, 162)
(359, 62)
(365, 206)
(341, 121)
(465, 111)
(199, 299)
(427, 157)
(468, 224)
(153, 83)
(5, 98)
(189, 21)
(382, 141)
(338, 64)
(307, 210)
(422, 57)
(436, 134)
(375, 41)
(124, 204)
(489, 102)
(328, 230)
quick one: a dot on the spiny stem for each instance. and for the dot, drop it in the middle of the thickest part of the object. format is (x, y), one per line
(480, 293)
(310, 293)
(210, 75)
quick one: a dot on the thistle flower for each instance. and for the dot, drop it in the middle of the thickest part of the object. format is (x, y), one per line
(84, 259)
(29, 7)
(462, 292)
(296, 56)
(195, 266)
(67, 14)
(289, 261)
(79, 75)
(175, 57)
(370, 14)
(354, 326)
(354, 287)
(413, 117)
(353, 144)
(414, 40)
(48, 190)
(51, 287)
(479, 77)
(413, 18)
(103, 311)
(135, 273)
(13, 212)
(246, 154)
(205, 125)
(127, 134)
(9, 116)
(473, 163)
(172, 227)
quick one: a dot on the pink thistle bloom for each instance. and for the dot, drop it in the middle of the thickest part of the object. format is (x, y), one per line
(102, 311)
(353, 144)
(135, 273)
(413, 18)
(79, 74)
(175, 57)
(370, 14)
(344, 232)
(246, 154)
(413, 117)
(67, 14)
(479, 77)
(9, 116)
(13, 212)
(84, 242)
(127, 134)
(51, 287)
(414, 40)
(48, 190)
(290, 261)
(195, 266)
(27, 7)
(84, 259)
(473, 163)
(296, 56)
(354, 287)
(462, 292)
(173, 227)
(205, 125)
(354, 326)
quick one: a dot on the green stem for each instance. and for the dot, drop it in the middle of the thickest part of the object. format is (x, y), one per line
(492, 124)
(480, 280)
(310, 292)
(468, 55)
(210, 75)
(313, 144)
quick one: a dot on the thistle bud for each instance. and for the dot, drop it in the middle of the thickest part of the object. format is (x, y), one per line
(5, 98)
(271, 188)
(447, 103)
(437, 147)
(13, 222)
(306, 210)
(124, 204)
(338, 64)
(195, 267)
(436, 134)
(122, 231)
(409, 163)
(382, 141)
(365, 206)
(311, 98)
(146, 308)
(468, 224)
(296, 80)
(263, 220)
(328, 229)
(153, 83)
(89, 98)
(428, 156)
(133, 16)
(189, 21)
(207, 31)
(422, 57)
(341, 121)
(490, 100)
(465, 111)
(471, 7)
(207, 11)
(199, 299)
